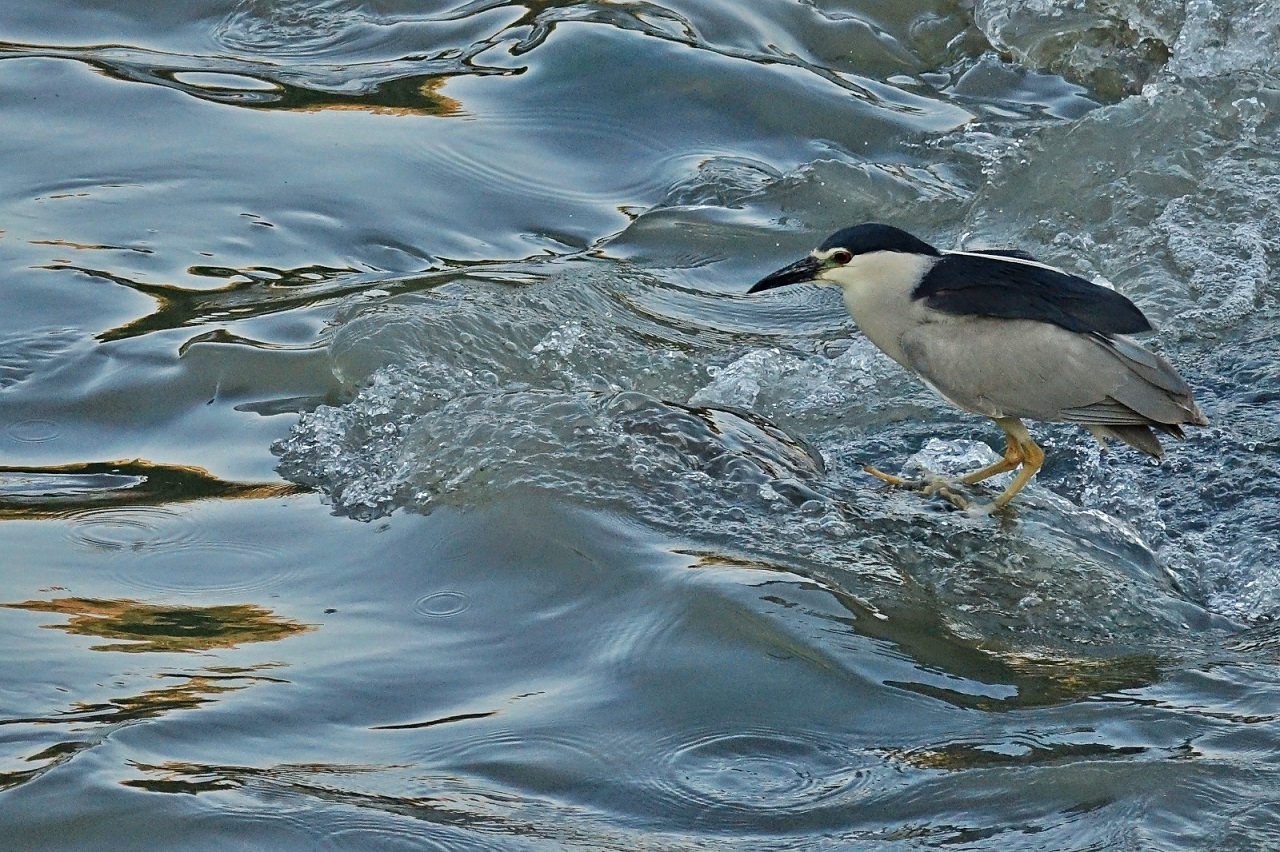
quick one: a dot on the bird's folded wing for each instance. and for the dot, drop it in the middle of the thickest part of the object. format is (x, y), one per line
(1008, 285)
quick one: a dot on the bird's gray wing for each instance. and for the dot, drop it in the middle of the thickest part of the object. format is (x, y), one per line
(1106, 413)
(1009, 285)
(1022, 368)
(1149, 386)
(1147, 364)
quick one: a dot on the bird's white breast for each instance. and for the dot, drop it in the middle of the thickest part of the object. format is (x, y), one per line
(877, 292)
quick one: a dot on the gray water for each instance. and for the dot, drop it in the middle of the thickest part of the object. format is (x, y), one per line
(392, 459)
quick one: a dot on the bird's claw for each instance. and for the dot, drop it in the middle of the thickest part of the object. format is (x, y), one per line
(927, 486)
(942, 487)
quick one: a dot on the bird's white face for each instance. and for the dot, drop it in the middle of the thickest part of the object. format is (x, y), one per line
(832, 265)
(884, 272)
(863, 273)
(877, 286)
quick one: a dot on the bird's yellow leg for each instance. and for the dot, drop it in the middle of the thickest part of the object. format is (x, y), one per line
(1012, 457)
(1020, 451)
(1032, 459)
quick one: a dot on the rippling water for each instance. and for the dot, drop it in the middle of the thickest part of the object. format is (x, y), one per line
(391, 458)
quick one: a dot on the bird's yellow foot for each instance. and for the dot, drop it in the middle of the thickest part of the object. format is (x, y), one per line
(928, 486)
(942, 487)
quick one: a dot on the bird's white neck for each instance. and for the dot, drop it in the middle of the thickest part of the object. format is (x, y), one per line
(877, 291)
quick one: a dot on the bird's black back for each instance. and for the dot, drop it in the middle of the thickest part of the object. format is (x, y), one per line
(995, 284)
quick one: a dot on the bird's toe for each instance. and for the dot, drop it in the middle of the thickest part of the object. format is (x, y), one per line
(896, 481)
(942, 487)
(931, 484)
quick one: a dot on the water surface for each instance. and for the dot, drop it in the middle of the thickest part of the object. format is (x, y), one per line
(392, 459)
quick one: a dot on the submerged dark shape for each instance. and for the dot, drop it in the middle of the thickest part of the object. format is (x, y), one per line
(996, 332)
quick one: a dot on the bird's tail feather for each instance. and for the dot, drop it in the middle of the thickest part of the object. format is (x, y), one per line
(1139, 437)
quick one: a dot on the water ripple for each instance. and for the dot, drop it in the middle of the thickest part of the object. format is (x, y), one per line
(763, 773)
(21, 355)
(521, 752)
(486, 163)
(169, 553)
(750, 777)
(291, 28)
(132, 529)
(358, 832)
(195, 567)
(33, 430)
(442, 604)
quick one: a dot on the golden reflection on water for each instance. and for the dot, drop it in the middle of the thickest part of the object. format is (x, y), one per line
(55, 491)
(401, 96)
(959, 756)
(186, 692)
(249, 292)
(177, 776)
(183, 691)
(136, 627)
(150, 627)
(260, 85)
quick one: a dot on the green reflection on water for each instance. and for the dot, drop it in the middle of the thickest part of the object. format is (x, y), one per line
(955, 757)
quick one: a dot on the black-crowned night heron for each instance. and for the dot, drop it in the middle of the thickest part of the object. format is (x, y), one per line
(1001, 334)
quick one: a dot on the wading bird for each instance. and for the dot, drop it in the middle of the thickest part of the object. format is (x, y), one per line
(996, 332)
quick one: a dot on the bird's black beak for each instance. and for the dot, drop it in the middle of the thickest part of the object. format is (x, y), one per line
(801, 270)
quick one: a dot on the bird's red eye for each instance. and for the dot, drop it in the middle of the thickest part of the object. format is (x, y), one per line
(842, 256)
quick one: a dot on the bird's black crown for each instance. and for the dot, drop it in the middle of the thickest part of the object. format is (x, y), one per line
(872, 236)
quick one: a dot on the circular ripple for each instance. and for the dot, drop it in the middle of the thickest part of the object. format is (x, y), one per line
(570, 757)
(763, 770)
(385, 833)
(753, 778)
(131, 529)
(442, 604)
(199, 567)
(258, 810)
(33, 430)
(481, 162)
